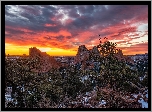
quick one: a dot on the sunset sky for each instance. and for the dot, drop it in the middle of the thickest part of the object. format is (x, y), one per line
(60, 29)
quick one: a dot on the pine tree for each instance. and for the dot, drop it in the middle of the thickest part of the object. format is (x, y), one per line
(115, 71)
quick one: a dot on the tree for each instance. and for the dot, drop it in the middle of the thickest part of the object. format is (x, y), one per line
(113, 70)
(108, 48)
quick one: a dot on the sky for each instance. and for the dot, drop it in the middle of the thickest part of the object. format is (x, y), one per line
(60, 29)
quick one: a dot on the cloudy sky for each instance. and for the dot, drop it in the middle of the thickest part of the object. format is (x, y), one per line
(61, 29)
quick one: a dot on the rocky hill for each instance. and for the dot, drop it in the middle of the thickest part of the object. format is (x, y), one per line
(84, 54)
(42, 62)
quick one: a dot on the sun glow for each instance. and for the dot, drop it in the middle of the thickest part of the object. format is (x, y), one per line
(20, 50)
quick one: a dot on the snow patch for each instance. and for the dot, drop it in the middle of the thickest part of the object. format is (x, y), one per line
(103, 102)
(146, 95)
(144, 104)
(135, 95)
(141, 78)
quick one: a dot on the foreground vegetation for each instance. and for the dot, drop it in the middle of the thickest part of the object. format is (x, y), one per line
(112, 82)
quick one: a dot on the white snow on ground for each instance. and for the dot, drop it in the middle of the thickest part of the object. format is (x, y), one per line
(86, 99)
(84, 78)
(8, 97)
(135, 95)
(141, 78)
(144, 104)
(147, 95)
(87, 93)
(102, 102)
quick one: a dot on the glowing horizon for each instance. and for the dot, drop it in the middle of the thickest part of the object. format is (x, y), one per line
(55, 51)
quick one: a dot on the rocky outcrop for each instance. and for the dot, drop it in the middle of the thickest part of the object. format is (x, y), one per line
(85, 56)
(82, 50)
(119, 55)
(82, 54)
(42, 62)
(122, 57)
(95, 52)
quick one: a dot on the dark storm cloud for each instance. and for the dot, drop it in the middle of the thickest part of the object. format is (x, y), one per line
(84, 17)
(48, 12)
(9, 30)
(59, 38)
(31, 17)
(92, 15)
(37, 22)
(34, 17)
(32, 9)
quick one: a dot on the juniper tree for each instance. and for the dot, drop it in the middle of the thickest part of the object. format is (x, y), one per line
(115, 71)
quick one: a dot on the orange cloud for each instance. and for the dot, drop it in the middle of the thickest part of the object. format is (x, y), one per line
(135, 49)
(64, 33)
(49, 25)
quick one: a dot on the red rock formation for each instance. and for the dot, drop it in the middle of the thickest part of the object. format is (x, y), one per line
(83, 53)
(44, 61)
(119, 55)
